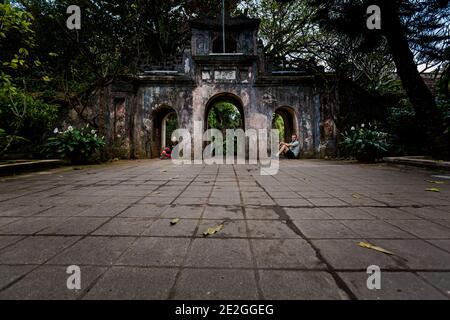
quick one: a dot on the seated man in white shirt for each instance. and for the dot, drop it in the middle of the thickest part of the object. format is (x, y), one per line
(290, 150)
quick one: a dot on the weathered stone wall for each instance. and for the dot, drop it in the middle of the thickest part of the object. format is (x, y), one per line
(152, 99)
(152, 102)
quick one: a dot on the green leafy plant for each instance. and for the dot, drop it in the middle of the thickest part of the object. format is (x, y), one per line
(443, 104)
(3, 138)
(401, 124)
(365, 143)
(76, 145)
(25, 116)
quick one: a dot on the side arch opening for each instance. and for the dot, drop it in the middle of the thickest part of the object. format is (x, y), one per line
(165, 122)
(285, 120)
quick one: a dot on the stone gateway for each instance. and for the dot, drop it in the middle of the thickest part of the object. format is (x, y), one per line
(139, 107)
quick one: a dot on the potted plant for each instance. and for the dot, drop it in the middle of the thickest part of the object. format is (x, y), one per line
(366, 143)
(76, 145)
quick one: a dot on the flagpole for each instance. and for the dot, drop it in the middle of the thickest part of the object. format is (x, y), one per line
(223, 26)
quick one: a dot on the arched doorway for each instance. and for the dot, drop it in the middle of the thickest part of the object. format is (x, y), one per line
(224, 111)
(169, 125)
(285, 120)
(165, 122)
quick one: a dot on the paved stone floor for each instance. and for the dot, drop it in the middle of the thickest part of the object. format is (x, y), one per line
(290, 236)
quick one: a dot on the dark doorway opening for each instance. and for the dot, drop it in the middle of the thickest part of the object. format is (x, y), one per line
(165, 122)
(284, 119)
(224, 112)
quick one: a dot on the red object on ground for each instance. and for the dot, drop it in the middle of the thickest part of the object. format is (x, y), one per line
(168, 153)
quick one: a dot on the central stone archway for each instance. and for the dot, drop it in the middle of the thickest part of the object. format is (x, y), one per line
(228, 108)
(224, 111)
(202, 76)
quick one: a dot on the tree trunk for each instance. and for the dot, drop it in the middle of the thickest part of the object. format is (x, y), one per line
(419, 94)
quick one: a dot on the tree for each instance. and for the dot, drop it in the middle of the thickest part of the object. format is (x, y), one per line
(409, 44)
(116, 38)
(18, 66)
(223, 116)
(293, 39)
(288, 31)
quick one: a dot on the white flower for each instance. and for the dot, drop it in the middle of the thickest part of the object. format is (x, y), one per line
(353, 129)
(95, 135)
(363, 125)
(70, 128)
(119, 136)
(55, 131)
(92, 131)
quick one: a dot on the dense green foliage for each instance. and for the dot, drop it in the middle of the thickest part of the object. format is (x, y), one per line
(32, 126)
(171, 126)
(223, 116)
(24, 118)
(414, 32)
(402, 125)
(76, 145)
(366, 143)
(278, 124)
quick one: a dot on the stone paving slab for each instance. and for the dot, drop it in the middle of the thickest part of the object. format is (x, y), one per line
(49, 283)
(294, 235)
(216, 284)
(147, 284)
(395, 286)
(295, 285)
(35, 250)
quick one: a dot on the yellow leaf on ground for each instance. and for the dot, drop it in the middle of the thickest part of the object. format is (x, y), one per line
(370, 246)
(436, 182)
(211, 231)
(174, 221)
(356, 195)
(433, 190)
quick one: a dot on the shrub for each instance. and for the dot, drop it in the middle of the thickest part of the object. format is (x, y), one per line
(3, 139)
(6, 141)
(27, 129)
(76, 145)
(402, 127)
(444, 106)
(365, 143)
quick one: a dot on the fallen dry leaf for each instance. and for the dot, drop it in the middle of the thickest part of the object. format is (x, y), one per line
(433, 190)
(174, 221)
(356, 195)
(211, 231)
(370, 246)
(436, 182)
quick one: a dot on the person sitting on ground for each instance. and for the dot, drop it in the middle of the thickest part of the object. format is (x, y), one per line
(290, 150)
(167, 152)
